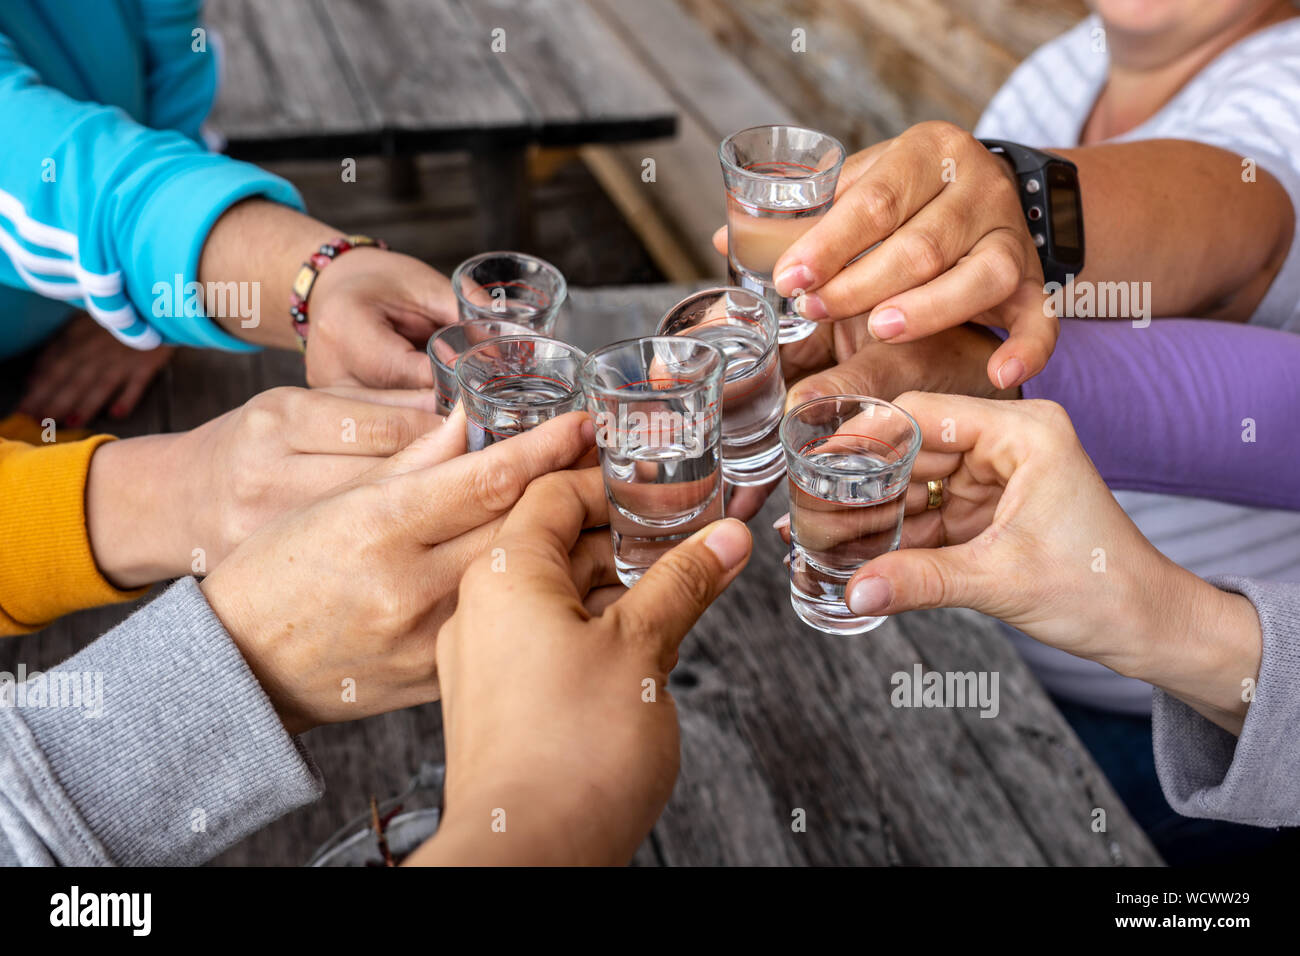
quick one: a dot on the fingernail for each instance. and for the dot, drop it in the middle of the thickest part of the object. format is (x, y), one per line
(781, 523)
(791, 278)
(588, 431)
(1011, 372)
(870, 596)
(887, 324)
(730, 542)
(810, 306)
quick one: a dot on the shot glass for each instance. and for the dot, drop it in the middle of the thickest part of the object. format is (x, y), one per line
(780, 181)
(849, 461)
(657, 405)
(446, 345)
(512, 383)
(742, 324)
(511, 287)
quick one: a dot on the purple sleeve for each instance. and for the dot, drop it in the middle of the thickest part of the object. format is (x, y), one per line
(1183, 406)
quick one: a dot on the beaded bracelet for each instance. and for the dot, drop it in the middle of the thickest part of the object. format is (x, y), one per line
(311, 269)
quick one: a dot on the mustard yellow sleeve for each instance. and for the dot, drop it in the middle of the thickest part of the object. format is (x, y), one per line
(46, 566)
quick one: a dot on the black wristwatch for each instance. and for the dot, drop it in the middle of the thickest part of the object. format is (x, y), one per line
(1049, 194)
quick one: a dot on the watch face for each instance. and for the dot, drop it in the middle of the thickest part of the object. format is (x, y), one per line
(1067, 213)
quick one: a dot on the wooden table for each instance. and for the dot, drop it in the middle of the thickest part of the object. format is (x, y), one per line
(775, 718)
(332, 79)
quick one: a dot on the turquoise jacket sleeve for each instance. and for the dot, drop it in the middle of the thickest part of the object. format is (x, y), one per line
(181, 69)
(104, 213)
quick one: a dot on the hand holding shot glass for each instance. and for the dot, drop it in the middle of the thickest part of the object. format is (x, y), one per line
(512, 383)
(742, 324)
(780, 181)
(849, 462)
(657, 406)
(510, 287)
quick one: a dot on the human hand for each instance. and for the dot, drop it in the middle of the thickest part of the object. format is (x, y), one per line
(372, 312)
(152, 501)
(83, 369)
(1029, 533)
(356, 585)
(954, 247)
(557, 716)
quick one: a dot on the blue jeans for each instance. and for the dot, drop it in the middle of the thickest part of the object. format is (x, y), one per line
(1121, 745)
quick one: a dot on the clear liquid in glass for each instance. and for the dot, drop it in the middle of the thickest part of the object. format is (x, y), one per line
(531, 400)
(658, 494)
(756, 238)
(839, 520)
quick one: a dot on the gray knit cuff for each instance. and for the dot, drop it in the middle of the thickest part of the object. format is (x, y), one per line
(187, 757)
(1255, 778)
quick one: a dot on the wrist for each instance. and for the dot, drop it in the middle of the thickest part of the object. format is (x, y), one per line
(254, 633)
(130, 522)
(265, 243)
(1200, 644)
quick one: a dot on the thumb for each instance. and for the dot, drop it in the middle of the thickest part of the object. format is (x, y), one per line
(919, 578)
(681, 585)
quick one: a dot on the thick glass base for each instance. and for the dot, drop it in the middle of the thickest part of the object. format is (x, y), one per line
(832, 617)
(794, 328)
(628, 574)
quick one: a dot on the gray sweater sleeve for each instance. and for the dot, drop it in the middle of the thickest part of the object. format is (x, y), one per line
(1255, 778)
(171, 753)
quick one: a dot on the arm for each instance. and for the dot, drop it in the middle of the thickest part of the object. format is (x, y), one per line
(90, 522)
(954, 245)
(127, 212)
(1181, 406)
(174, 755)
(1221, 240)
(1169, 408)
(1250, 778)
(1029, 533)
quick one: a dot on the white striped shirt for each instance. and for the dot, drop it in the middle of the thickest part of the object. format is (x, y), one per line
(1246, 101)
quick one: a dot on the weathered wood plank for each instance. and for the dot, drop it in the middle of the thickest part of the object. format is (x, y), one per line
(578, 79)
(1031, 750)
(285, 91)
(426, 71)
(704, 80)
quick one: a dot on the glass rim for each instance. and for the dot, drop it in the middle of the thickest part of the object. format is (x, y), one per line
(587, 371)
(428, 346)
(906, 458)
(562, 290)
(728, 164)
(718, 290)
(575, 388)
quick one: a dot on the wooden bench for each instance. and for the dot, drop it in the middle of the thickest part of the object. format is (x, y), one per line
(333, 79)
